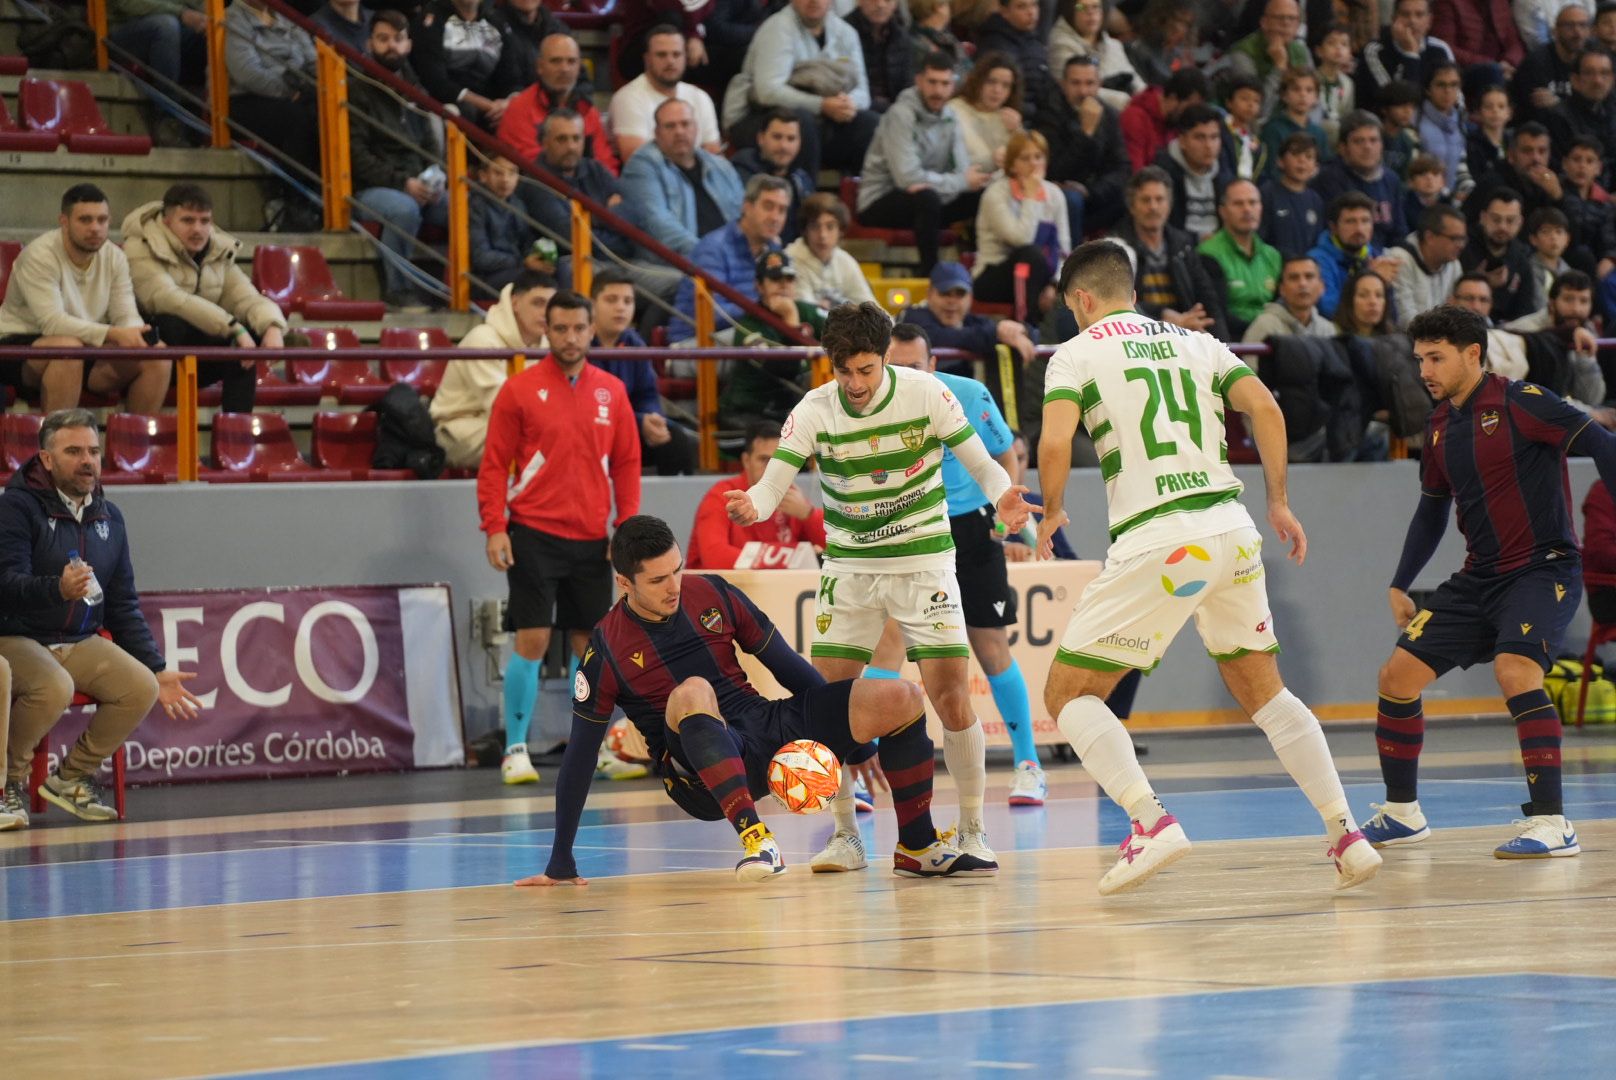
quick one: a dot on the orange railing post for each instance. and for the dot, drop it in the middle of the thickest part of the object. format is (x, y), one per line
(706, 380)
(185, 405)
(819, 370)
(218, 77)
(583, 250)
(95, 13)
(337, 175)
(459, 194)
(514, 366)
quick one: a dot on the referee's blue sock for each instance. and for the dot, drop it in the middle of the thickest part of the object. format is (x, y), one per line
(1010, 695)
(521, 695)
(873, 672)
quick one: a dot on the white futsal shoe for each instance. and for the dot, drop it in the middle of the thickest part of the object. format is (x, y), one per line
(1030, 787)
(1143, 854)
(1546, 836)
(1396, 824)
(971, 837)
(517, 768)
(844, 851)
(763, 859)
(1356, 860)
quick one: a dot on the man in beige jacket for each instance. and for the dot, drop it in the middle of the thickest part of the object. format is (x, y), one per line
(461, 407)
(187, 282)
(70, 290)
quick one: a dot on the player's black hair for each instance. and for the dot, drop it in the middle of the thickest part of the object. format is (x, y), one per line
(907, 331)
(1099, 266)
(1458, 326)
(853, 329)
(567, 300)
(639, 538)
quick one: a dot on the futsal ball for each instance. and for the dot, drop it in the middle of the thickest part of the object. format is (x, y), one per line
(804, 776)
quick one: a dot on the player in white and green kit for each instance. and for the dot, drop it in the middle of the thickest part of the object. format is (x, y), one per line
(1152, 396)
(878, 433)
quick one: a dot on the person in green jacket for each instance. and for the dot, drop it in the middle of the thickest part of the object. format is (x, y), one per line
(770, 389)
(1250, 267)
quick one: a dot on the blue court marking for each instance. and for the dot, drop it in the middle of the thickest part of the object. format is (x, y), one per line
(457, 861)
(1480, 1027)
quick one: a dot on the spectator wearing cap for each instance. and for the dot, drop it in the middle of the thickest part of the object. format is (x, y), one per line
(779, 143)
(1403, 51)
(1360, 166)
(948, 321)
(827, 275)
(730, 254)
(1250, 267)
(1147, 123)
(679, 192)
(633, 107)
(770, 389)
(1428, 264)
(664, 443)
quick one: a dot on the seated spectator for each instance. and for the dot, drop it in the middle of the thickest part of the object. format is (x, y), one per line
(826, 274)
(929, 32)
(1569, 312)
(465, 399)
(1079, 30)
(1171, 278)
(1399, 136)
(770, 389)
(1294, 211)
(271, 65)
(557, 87)
(1333, 61)
(1088, 158)
(917, 174)
(716, 542)
(525, 24)
(166, 37)
(1361, 168)
(50, 637)
(465, 59)
(70, 289)
(1273, 49)
(1486, 139)
(1473, 293)
(1588, 207)
(1147, 122)
(501, 242)
(1589, 112)
(1481, 33)
(1243, 153)
(667, 445)
(1525, 171)
(808, 44)
(730, 27)
(1022, 221)
(947, 319)
(988, 108)
(347, 21)
(638, 18)
(1605, 25)
(1404, 50)
(1427, 264)
(680, 192)
(634, 105)
(1364, 309)
(1544, 78)
(1298, 100)
(1442, 129)
(1193, 161)
(1164, 46)
(1348, 247)
(393, 182)
(888, 53)
(1296, 312)
(1013, 30)
(1496, 250)
(1548, 234)
(779, 142)
(730, 254)
(188, 284)
(1251, 268)
(1427, 180)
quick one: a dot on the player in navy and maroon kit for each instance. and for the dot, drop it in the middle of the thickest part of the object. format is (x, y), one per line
(1497, 448)
(665, 655)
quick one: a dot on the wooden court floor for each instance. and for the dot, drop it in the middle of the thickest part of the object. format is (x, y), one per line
(387, 941)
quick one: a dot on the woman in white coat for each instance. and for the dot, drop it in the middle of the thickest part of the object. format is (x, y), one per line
(1022, 219)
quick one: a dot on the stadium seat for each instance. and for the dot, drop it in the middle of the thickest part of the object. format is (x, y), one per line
(671, 387)
(345, 442)
(14, 139)
(258, 447)
(299, 279)
(424, 375)
(351, 381)
(19, 438)
(1242, 450)
(67, 108)
(141, 449)
(894, 237)
(13, 65)
(9, 250)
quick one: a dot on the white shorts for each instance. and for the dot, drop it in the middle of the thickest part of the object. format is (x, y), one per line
(853, 609)
(1128, 615)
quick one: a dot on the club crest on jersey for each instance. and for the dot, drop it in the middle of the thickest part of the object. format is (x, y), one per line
(603, 395)
(788, 427)
(712, 621)
(875, 444)
(101, 530)
(914, 436)
(822, 622)
(1489, 421)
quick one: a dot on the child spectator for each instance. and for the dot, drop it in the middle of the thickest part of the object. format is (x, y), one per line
(1298, 97)
(1244, 153)
(501, 241)
(1332, 53)
(1293, 213)
(1442, 128)
(1588, 206)
(1485, 144)
(1399, 104)
(826, 274)
(1548, 232)
(1426, 180)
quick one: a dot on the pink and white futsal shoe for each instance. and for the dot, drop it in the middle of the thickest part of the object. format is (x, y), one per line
(1356, 860)
(1143, 853)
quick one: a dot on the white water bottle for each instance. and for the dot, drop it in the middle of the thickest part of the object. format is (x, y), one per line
(95, 595)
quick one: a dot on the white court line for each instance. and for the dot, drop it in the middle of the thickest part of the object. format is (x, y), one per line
(1113, 1070)
(1007, 1065)
(885, 1059)
(668, 1048)
(763, 1051)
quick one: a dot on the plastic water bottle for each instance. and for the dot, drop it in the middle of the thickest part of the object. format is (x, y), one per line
(95, 595)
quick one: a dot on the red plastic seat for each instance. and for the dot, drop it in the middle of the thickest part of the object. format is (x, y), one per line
(346, 441)
(585, 14)
(41, 768)
(351, 381)
(13, 65)
(142, 449)
(67, 108)
(1242, 449)
(19, 438)
(14, 139)
(895, 237)
(299, 279)
(257, 447)
(9, 250)
(423, 375)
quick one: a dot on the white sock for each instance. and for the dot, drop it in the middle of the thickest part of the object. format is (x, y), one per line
(966, 755)
(1107, 753)
(841, 807)
(1294, 733)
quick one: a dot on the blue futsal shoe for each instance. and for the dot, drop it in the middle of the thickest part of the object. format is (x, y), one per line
(1395, 824)
(1546, 836)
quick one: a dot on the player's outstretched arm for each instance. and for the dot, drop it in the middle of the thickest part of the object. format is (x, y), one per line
(1249, 396)
(994, 481)
(572, 788)
(1061, 417)
(1600, 445)
(759, 502)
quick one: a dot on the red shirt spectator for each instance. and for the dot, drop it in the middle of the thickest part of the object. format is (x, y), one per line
(716, 542)
(1147, 122)
(558, 68)
(1478, 31)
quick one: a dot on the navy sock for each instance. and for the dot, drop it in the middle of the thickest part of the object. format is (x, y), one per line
(1400, 736)
(909, 759)
(713, 749)
(1537, 725)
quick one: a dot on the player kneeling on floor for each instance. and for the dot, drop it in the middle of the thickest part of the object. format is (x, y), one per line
(665, 654)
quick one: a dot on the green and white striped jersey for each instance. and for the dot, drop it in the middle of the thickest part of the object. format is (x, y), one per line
(881, 472)
(1152, 396)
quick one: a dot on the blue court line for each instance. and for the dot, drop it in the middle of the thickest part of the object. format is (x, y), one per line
(1479, 1027)
(204, 879)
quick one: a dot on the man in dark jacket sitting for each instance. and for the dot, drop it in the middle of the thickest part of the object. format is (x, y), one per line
(1087, 157)
(1175, 283)
(65, 574)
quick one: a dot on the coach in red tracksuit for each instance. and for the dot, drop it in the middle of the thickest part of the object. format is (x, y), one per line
(716, 541)
(562, 441)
